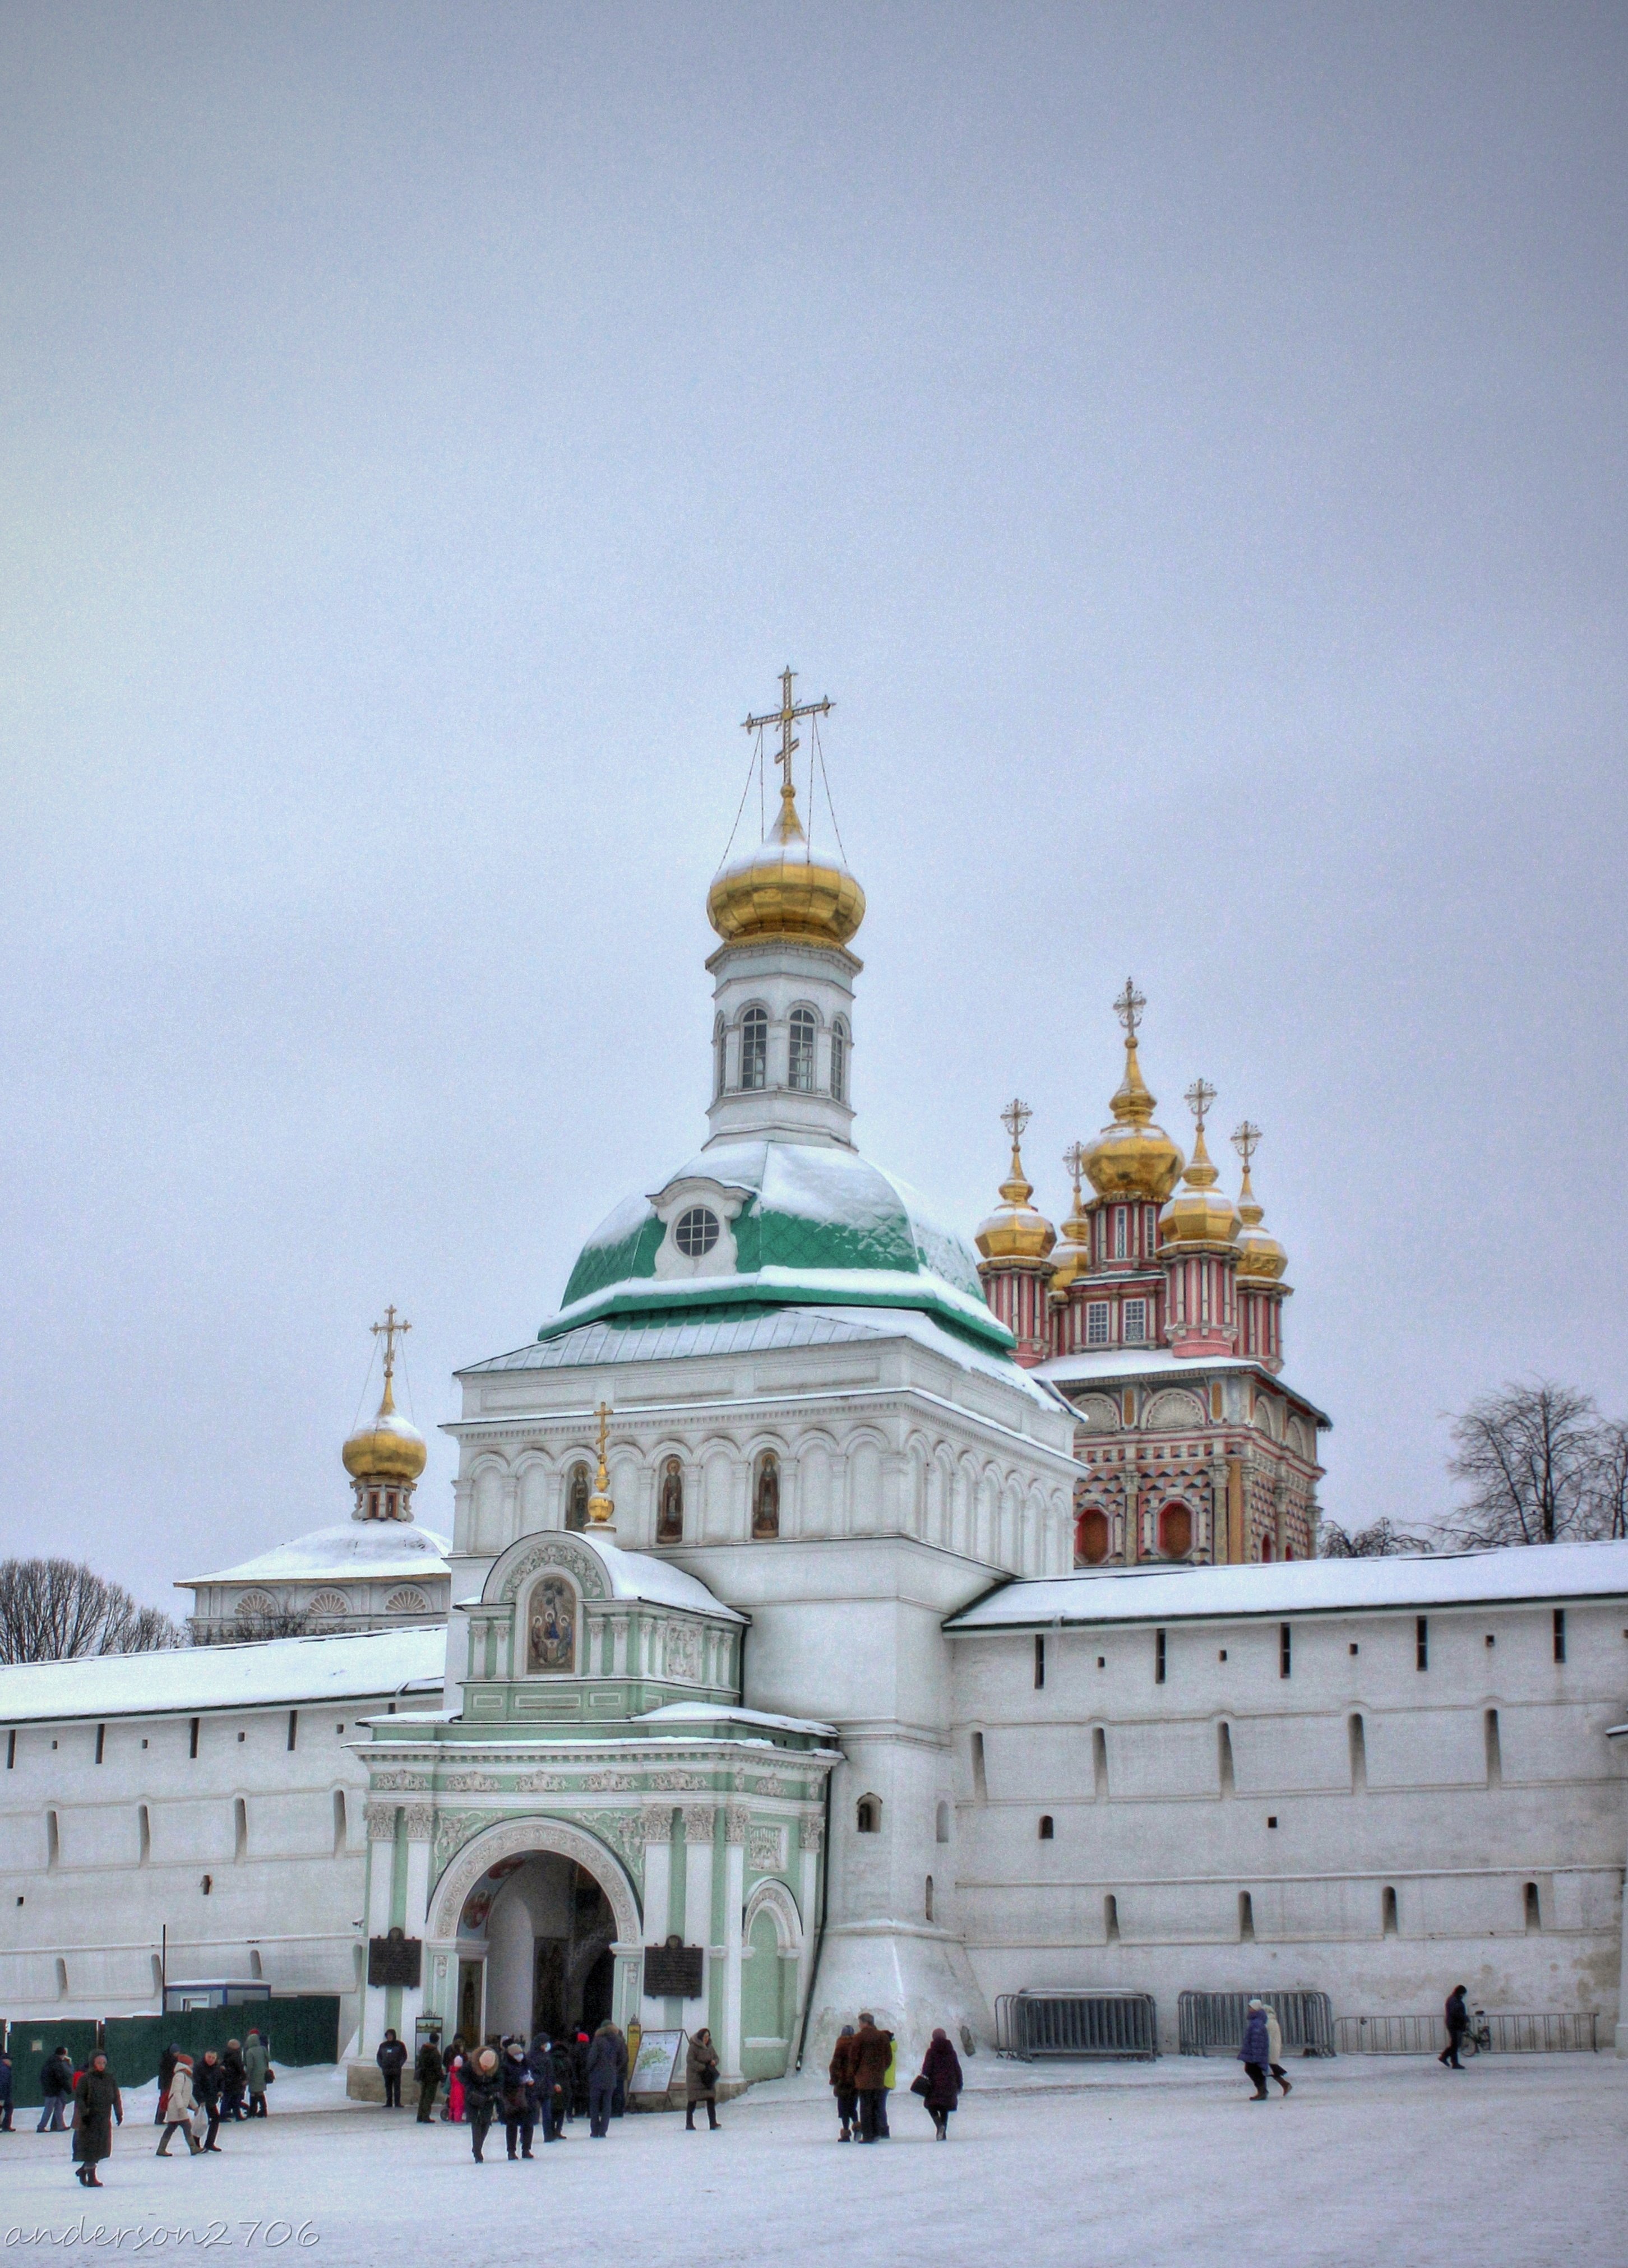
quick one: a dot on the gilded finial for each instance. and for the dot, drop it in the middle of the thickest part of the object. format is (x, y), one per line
(1247, 1141)
(1077, 1228)
(393, 1328)
(1015, 1230)
(1133, 1105)
(1260, 1258)
(1201, 1174)
(1016, 1188)
(785, 716)
(602, 1510)
(1129, 1007)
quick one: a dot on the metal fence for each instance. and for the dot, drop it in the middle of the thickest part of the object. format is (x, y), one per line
(1212, 2024)
(1081, 2024)
(302, 2030)
(1506, 2034)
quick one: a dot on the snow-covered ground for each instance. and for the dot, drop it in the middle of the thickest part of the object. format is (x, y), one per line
(1518, 2163)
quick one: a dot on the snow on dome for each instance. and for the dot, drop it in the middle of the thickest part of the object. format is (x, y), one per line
(819, 1226)
(379, 1549)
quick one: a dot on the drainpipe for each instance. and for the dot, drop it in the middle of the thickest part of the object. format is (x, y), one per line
(825, 1877)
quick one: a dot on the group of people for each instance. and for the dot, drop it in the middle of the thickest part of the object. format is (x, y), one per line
(862, 2071)
(545, 2083)
(192, 2099)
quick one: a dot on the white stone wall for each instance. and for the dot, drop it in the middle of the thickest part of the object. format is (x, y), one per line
(1163, 1797)
(96, 1859)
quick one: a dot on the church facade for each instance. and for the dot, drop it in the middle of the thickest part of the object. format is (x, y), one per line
(841, 1613)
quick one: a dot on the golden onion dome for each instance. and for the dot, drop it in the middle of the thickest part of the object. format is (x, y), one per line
(1260, 1255)
(389, 1449)
(1133, 1157)
(1014, 1230)
(781, 889)
(1073, 1252)
(1199, 1212)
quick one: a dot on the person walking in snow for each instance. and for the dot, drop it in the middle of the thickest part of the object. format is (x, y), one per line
(96, 2102)
(209, 2081)
(5, 2090)
(550, 2069)
(233, 2081)
(841, 2074)
(940, 2069)
(456, 2060)
(55, 2089)
(519, 2097)
(167, 2060)
(390, 2058)
(177, 2104)
(606, 2055)
(872, 2051)
(1262, 2049)
(428, 2072)
(701, 2080)
(482, 2085)
(257, 2071)
(1457, 2016)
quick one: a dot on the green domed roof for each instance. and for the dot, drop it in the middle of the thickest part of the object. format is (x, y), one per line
(817, 1226)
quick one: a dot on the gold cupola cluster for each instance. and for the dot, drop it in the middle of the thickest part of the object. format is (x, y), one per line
(781, 889)
(1014, 1230)
(1199, 1212)
(385, 1458)
(1131, 1157)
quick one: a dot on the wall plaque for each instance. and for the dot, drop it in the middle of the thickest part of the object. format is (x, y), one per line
(396, 1959)
(673, 1970)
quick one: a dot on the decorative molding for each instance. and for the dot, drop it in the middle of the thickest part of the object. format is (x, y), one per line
(657, 1822)
(765, 1848)
(624, 1831)
(771, 1783)
(681, 1647)
(381, 1823)
(515, 1839)
(452, 1830)
(471, 1783)
(775, 1899)
(539, 1783)
(736, 1820)
(401, 1779)
(699, 1822)
(558, 1549)
(420, 1821)
(811, 1831)
(600, 1782)
(675, 1779)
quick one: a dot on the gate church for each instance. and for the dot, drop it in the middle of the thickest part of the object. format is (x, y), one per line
(841, 1615)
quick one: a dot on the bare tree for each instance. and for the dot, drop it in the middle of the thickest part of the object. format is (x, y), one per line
(1527, 1456)
(1608, 1481)
(58, 1610)
(1381, 1541)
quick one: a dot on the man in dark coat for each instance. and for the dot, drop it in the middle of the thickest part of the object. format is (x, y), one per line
(579, 2076)
(96, 2102)
(550, 2068)
(1458, 2023)
(5, 2092)
(390, 2058)
(482, 2085)
(607, 2065)
(842, 2085)
(209, 2082)
(235, 2081)
(428, 2072)
(168, 2058)
(873, 2051)
(941, 2069)
(519, 2097)
(55, 2089)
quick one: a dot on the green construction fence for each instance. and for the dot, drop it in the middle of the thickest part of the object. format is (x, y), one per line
(302, 2030)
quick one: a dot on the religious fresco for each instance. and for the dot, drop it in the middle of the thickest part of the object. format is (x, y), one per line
(551, 1642)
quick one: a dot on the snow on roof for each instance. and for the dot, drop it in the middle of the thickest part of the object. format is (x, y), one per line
(691, 1713)
(265, 1673)
(369, 1548)
(1109, 1363)
(657, 1582)
(1288, 1587)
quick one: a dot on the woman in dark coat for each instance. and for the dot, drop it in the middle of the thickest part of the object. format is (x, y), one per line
(941, 2069)
(96, 2102)
(482, 2086)
(843, 2086)
(701, 2080)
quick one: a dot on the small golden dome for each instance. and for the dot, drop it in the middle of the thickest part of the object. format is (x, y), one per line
(1073, 1254)
(1199, 1212)
(389, 1449)
(780, 890)
(1133, 1157)
(1014, 1230)
(1260, 1255)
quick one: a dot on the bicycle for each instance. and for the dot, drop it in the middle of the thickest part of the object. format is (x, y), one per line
(1478, 2039)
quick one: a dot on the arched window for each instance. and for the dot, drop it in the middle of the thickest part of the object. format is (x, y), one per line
(868, 1816)
(1093, 1545)
(577, 1498)
(766, 1498)
(1048, 1829)
(720, 1057)
(839, 1061)
(670, 1514)
(942, 1823)
(1266, 1547)
(802, 1061)
(927, 1899)
(755, 1048)
(1175, 1532)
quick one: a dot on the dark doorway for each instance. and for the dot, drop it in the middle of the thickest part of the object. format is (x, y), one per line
(574, 1974)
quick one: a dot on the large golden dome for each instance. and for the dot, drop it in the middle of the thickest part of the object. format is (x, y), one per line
(780, 890)
(1199, 1212)
(389, 1450)
(1133, 1157)
(1260, 1255)
(1014, 1230)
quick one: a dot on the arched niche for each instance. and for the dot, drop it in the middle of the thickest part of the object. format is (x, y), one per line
(520, 1838)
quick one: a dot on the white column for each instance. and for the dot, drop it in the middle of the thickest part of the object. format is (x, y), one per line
(735, 1891)
(420, 1820)
(698, 1828)
(658, 1890)
(811, 1834)
(381, 1873)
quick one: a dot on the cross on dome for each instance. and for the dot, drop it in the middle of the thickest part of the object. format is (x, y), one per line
(393, 1327)
(785, 716)
(602, 1510)
(1200, 1095)
(1129, 1007)
(1247, 1141)
(1074, 1163)
(1014, 1118)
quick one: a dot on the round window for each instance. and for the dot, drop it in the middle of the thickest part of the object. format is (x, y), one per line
(698, 1232)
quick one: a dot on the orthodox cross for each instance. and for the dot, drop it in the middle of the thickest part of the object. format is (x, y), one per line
(1247, 1141)
(785, 716)
(1200, 1095)
(392, 1329)
(1014, 1118)
(603, 1414)
(1074, 1163)
(1129, 1007)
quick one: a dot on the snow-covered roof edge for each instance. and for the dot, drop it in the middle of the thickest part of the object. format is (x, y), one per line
(201, 1679)
(1507, 1576)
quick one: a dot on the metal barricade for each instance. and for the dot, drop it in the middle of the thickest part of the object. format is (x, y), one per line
(1086, 2025)
(1515, 2033)
(1212, 2024)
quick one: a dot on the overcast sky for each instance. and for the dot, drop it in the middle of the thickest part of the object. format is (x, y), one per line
(1187, 444)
